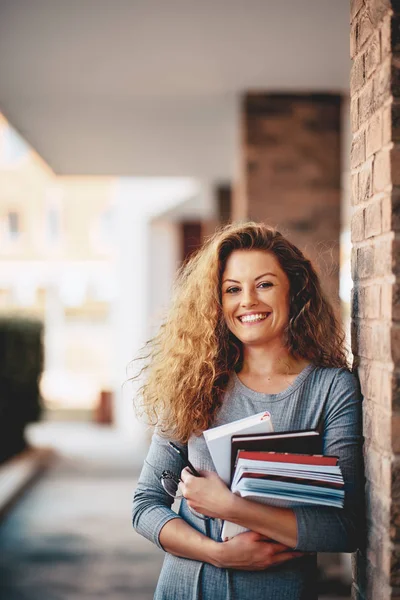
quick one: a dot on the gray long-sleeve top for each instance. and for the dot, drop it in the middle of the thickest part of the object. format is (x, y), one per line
(325, 398)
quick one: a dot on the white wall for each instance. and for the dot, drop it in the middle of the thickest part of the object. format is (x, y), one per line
(146, 247)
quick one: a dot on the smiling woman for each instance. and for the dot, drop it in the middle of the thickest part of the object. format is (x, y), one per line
(249, 330)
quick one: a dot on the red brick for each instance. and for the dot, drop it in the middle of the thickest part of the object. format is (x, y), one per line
(386, 300)
(357, 226)
(354, 188)
(372, 55)
(386, 45)
(353, 259)
(357, 74)
(365, 261)
(379, 553)
(365, 28)
(382, 258)
(381, 342)
(365, 342)
(372, 307)
(365, 182)
(381, 171)
(378, 505)
(354, 115)
(372, 382)
(382, 83)
(386, 125)
(373, 460)
(374, 134)
(386, 398)
(377, 10)
(355, 6)
(358, 149)
(382, 421)
(366, 103)
(353, 39)
(373, 219)
(386, 214)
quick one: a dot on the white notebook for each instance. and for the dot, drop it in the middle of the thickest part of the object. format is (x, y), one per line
(218, 439)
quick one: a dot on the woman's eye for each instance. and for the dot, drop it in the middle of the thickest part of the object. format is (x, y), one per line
(265, 284)
(232, 290)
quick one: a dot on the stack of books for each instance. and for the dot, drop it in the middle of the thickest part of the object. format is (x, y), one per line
(218, 439)
(283, 469)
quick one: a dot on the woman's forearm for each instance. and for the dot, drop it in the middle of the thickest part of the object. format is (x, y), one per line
(178, 538)
(279, 524)
(248, 552)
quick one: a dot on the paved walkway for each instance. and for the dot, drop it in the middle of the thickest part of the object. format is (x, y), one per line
(70, 536)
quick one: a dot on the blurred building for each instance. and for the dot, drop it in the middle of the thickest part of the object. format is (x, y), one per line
(226, 114)
(56, 252)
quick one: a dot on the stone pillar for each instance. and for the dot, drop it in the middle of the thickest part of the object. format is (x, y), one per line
(290, 173)
(375, 158)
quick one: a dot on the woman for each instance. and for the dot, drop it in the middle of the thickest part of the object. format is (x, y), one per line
(249, 330)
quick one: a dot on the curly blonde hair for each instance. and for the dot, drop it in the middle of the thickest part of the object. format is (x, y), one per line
(190, 360)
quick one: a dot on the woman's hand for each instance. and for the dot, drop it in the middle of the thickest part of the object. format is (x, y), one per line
(251, 551)
(207, 494)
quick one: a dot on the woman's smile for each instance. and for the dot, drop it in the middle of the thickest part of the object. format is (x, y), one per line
(253, 318)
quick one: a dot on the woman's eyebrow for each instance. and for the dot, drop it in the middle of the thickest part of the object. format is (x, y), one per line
(264, 275)
(256, 279)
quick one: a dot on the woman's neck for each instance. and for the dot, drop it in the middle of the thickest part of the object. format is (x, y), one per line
(262, 362)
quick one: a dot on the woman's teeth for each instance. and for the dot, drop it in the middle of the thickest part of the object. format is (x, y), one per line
(253, 318)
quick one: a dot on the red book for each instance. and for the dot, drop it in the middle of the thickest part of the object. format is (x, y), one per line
(286, 457)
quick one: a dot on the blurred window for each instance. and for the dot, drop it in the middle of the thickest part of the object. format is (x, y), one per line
(106, 226)
(102, 231)
(53, 225)
(14, 147)
(13, 225)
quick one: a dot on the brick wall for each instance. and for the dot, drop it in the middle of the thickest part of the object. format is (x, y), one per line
(375, 161)
(290, 172)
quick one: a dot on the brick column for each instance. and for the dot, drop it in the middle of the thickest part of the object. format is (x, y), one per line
(375, 112)
(223, 210)
(191, 238)
(290, 173)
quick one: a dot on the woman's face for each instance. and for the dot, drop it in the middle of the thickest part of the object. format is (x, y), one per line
(255, 297)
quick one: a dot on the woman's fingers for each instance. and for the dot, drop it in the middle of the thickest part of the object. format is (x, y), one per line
(284, 556)
(186, 475)
(277, 548)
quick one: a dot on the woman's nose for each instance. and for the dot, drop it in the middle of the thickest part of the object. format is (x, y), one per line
(249, 298)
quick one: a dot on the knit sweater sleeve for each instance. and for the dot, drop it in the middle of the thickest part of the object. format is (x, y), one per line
(326, 529)
(151, 504)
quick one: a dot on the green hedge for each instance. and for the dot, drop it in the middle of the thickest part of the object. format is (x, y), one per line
(21, 364)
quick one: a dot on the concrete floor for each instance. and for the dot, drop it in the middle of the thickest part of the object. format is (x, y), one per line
(70, 535)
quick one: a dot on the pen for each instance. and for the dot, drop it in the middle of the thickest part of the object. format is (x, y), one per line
(187, 462)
